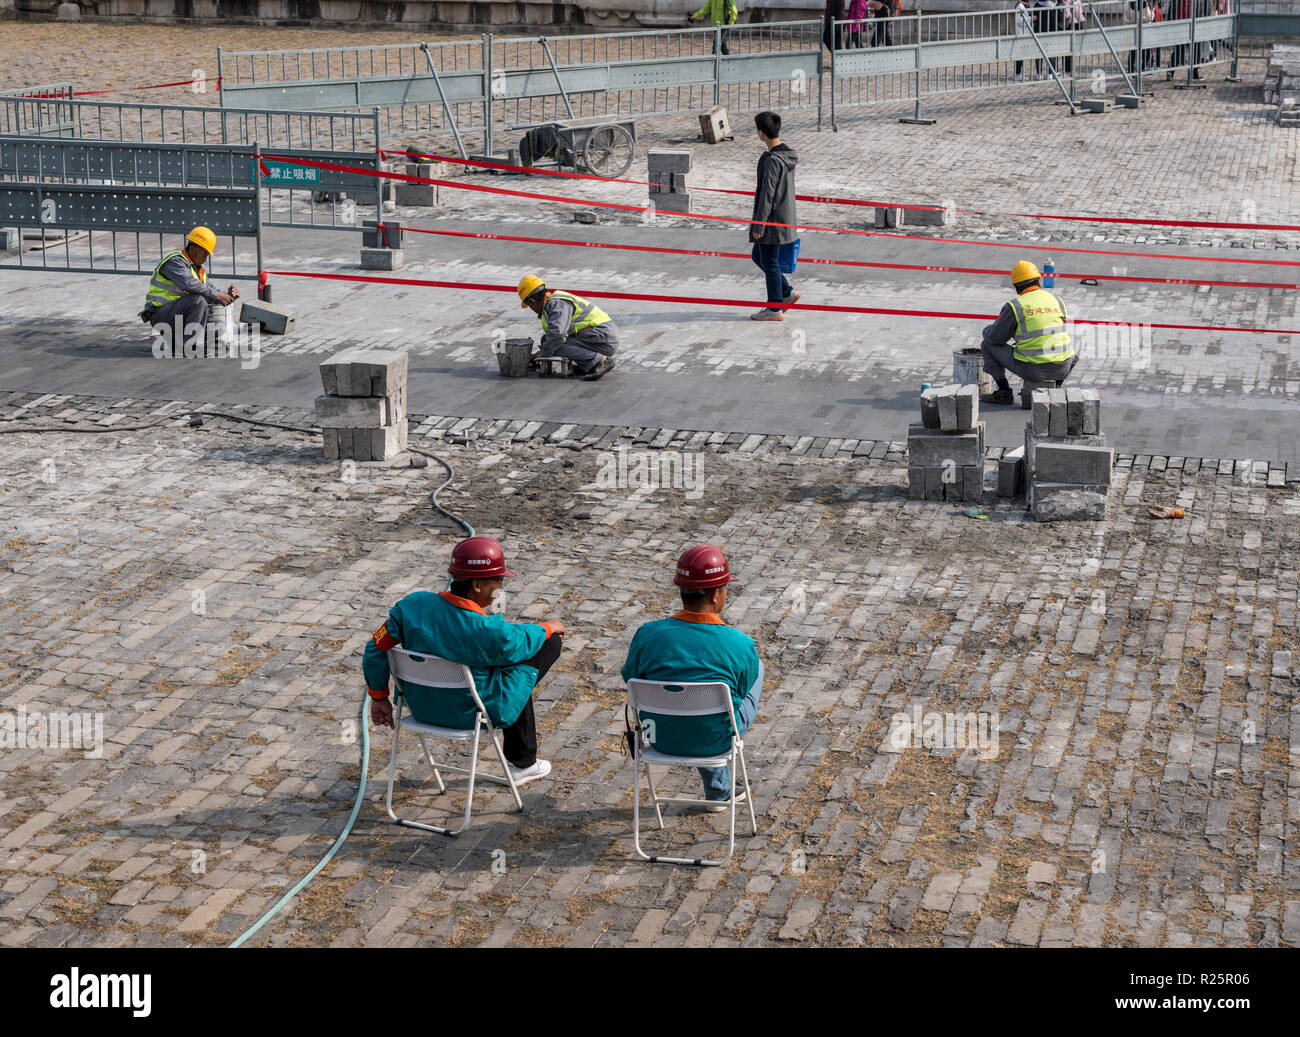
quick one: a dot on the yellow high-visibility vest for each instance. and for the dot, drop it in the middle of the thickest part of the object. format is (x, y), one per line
(585, 314)
(1040, 328)
(161, 290)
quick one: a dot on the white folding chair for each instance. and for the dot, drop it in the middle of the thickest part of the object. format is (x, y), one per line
(452, 680)
(669, 698)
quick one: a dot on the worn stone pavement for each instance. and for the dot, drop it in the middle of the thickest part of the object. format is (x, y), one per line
(1143, 791)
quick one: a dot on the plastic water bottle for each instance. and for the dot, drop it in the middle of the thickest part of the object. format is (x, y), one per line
(1049, 275)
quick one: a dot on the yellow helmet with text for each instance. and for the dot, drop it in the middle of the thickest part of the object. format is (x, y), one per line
(204, 238)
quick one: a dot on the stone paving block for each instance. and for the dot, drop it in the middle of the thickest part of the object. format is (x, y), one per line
(1042, 409)
(668, 160)
(968, 407)
(1011, 473)
(930, 408)
(1069, 463)
(945, 398)
(1056, 423)
(928, 448)
(1091, 411)
(360, 411)
(362, 371)
(383, 258)
(1062, 502)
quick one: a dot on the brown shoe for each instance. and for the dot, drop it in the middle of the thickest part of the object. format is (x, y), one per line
(768, 315)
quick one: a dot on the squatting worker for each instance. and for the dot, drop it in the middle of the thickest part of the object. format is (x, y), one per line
(1036, 319)
(507, 659)
(572, 327)
(179, 286)
(696, 644)
(773, 204)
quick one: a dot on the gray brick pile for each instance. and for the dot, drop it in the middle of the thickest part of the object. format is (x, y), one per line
(668, 168)
(1282, 83)
(945, 451)
(362, 415)
(1066, 464)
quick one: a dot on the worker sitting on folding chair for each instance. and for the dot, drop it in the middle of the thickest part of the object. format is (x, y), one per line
(697, 645)
(506, 659)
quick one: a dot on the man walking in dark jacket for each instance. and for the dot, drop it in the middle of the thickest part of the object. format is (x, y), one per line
(773, 203)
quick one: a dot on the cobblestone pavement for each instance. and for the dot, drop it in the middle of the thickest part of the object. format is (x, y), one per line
(208, 591)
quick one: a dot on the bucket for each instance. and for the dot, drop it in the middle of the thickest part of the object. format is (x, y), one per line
(514, 356)
(968, 369)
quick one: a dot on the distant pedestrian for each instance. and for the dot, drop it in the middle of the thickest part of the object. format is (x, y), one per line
(858, 14)
(882, 32)
(1023, 28)
(773, 204)
(1072, 12)
(832, 34)
(721, 14)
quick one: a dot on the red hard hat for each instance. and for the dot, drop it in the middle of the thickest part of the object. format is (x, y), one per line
(478, 558)
(702, 567)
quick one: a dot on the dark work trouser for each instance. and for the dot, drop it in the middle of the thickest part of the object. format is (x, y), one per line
(586, 347)
(191, 308)
(998, 360)
(519, 740)
(768, 259)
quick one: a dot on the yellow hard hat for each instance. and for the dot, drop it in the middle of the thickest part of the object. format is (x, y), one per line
(1024, 271)
(528, 284)
(204, 238)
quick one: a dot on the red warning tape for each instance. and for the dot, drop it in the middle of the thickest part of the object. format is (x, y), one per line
(828, 200)
(154, 86)
(836, 262)
(750, 304)
(759, 223)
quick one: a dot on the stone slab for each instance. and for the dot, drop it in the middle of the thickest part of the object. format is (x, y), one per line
(360, 371)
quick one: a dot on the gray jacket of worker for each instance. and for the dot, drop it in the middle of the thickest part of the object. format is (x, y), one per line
(774, 196)
(177, 271)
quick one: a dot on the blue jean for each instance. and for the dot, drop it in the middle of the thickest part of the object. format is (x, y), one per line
(768, 259)
(717, 780)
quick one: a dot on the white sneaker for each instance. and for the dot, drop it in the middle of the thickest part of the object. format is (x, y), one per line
(540, 769)
(717, 806)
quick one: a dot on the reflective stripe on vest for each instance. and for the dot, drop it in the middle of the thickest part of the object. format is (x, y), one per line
(585, 314)
(1040, 336)
(161, 290)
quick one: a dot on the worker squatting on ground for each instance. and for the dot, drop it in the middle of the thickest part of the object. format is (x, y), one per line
(178, 290)
(694, 645)
(507, 659)
(572, 328)
(1036, 319)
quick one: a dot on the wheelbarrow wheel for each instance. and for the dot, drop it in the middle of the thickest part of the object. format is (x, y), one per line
(608, 151)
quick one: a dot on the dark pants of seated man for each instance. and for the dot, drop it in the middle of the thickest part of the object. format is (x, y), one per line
(586, 347)
(191, 308)
(519, 740)
(998, 361)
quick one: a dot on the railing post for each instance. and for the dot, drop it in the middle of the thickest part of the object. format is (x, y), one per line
(487, 95)
(1142, 54)
(717, 65)
(916, 119)
(257, 195)
(1233, 77)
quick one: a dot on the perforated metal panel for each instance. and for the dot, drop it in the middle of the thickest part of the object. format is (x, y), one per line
(143, 209)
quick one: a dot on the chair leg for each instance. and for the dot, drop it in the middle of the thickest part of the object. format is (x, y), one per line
(392, 765)
(505, 768)
(442, 787)
(749, 795)
(650, 780)
(636, 805)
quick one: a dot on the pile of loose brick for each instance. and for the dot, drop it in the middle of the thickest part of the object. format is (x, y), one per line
(667, 169)
(362, 415)
(945, 451)
(1282, 83)
(1065, 464)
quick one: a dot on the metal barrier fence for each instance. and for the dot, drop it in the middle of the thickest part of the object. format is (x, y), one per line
(293, 196)
(104, 202)
(511, 83)
(911, 58)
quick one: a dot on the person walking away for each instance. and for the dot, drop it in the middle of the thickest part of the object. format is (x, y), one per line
(774, 203)
(859, 14)
(1072, 14)
(719, 13)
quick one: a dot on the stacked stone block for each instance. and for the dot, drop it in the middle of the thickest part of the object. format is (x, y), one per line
(1282, 83)
(945, 451)
(362, 415)
(1066, 461)
(668, 168)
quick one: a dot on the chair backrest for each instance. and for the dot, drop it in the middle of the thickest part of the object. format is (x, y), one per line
(682, 698)
(443, 678)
